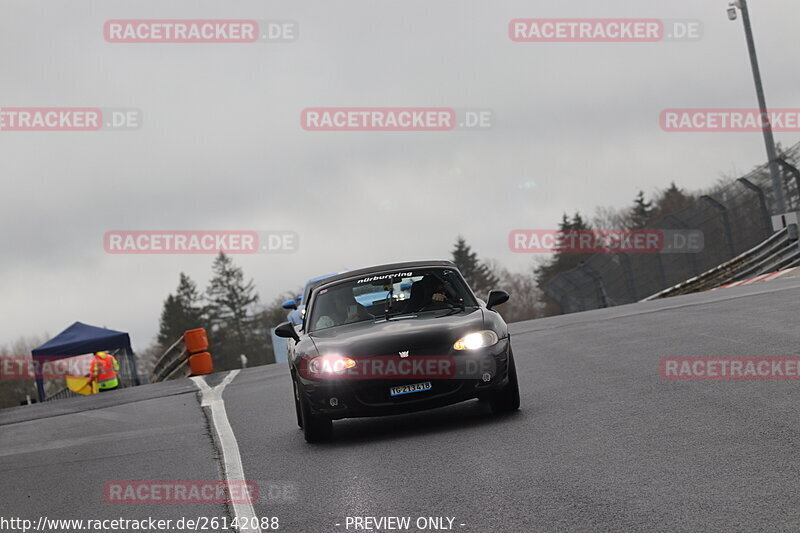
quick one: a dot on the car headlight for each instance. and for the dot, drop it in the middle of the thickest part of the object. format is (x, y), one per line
(329, 365)
(473, 341)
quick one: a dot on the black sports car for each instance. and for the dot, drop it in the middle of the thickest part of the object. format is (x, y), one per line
(394, 339)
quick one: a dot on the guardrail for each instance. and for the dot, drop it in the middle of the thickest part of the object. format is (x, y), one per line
(779, 251)
(173, 363)
(187, 356)
(63, 393)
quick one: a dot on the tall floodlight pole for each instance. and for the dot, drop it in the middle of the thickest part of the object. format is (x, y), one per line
(766, 126)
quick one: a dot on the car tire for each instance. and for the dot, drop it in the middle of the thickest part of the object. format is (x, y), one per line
(506, 400)
(316, 428)
(296, 394)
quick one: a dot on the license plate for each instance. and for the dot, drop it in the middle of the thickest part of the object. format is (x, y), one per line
(408, 389)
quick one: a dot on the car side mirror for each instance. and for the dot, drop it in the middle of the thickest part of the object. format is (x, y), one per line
(287, 331)
(289, 304)
(496, 298)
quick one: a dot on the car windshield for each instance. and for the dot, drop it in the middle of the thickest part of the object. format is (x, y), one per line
(387, 295)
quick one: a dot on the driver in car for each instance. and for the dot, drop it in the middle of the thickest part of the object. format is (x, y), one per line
(428, 290)
(439, 291)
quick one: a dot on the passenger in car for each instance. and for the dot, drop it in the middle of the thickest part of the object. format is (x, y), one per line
(339, 308)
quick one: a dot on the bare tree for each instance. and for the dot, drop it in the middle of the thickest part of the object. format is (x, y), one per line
(609, 218)
(526, 301)
(14, 389)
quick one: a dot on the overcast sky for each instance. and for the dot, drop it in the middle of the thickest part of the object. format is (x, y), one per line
(576, 125)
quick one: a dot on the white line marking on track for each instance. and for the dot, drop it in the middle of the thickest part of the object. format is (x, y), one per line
(231, 460)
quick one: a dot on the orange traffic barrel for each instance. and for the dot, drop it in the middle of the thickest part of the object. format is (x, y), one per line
(201, 364)
(196, 340)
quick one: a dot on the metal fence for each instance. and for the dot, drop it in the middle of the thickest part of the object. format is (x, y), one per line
(733, 218)
(780, 251)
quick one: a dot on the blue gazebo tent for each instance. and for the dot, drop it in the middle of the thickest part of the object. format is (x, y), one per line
(79, 339)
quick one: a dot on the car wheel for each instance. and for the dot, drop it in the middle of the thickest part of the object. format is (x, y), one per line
(297, 404)
(506, 399)
(316, 428)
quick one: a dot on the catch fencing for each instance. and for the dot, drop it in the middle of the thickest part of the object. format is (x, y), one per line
(733, 218)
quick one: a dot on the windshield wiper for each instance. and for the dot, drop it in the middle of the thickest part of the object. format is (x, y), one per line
(461, 306)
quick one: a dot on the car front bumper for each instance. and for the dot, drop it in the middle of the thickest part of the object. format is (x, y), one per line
(350, 398)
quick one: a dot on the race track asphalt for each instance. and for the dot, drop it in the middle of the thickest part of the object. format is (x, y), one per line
(602, 442)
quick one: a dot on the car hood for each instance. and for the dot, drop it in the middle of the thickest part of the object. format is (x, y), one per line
(431, 333)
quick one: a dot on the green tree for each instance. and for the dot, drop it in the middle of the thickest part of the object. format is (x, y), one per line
(181, 311)
(671, 200)
(476, 272)
(563, 260)
(577, 222)
(274, 313)
(235, 324)
(641, 214)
